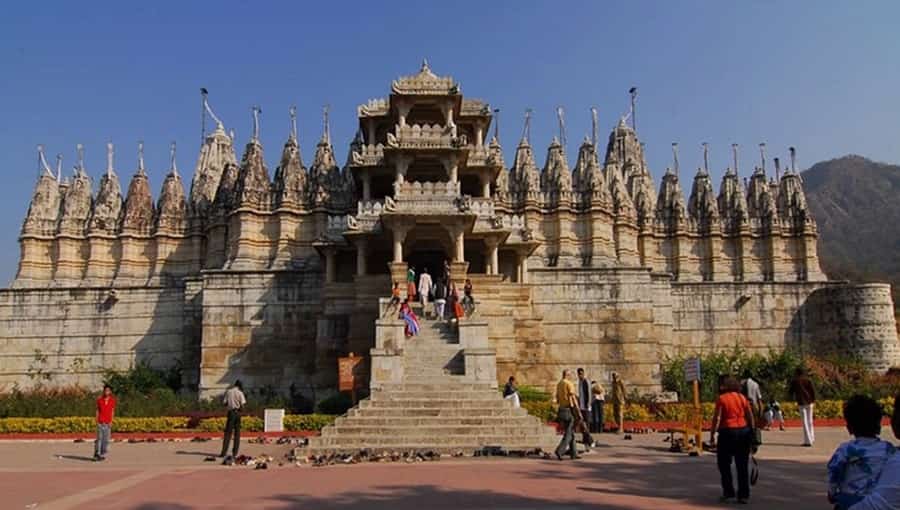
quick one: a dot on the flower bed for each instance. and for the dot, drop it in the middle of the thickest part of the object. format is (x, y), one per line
(87, 424)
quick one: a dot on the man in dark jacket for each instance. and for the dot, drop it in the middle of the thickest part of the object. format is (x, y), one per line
(804, 394)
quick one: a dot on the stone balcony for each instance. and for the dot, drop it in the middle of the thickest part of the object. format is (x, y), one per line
(481, 157)
(368, 155)
(415, 136)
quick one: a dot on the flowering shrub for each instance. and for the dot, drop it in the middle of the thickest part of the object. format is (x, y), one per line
(85, 424)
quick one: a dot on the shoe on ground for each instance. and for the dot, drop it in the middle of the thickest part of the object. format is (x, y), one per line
(726, 499)
(577, 457)
(96, 458)
(558, 457)
(743, 501)
(807, 445)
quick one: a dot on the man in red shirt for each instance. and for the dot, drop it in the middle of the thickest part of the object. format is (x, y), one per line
(106, 408)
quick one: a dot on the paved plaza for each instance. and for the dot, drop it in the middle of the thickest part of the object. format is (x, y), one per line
(637, 474)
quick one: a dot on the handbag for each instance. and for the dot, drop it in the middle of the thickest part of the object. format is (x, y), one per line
(754, 470)
(756, 440)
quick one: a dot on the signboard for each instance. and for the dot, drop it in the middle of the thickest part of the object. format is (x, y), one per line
(692, 369)
(347, 372)
(273, 420)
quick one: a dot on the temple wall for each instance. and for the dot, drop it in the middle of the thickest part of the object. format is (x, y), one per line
(261, 327)
(67, 336)
(600, 319)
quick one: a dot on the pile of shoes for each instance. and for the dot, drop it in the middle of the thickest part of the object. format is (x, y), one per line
(366, 455)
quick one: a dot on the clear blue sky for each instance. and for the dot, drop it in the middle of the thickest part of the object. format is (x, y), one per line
(823, 76)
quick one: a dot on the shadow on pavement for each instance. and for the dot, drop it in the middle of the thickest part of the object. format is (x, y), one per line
(76, 457)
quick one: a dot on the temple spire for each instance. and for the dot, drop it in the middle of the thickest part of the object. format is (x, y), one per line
(633, 93)
(79, 164)
(110, 151)
(326, 125)
(141, 157)
(256, 111)
(526, 130)
(675, 157)
(705, 157)
(560, 116)
(206, 107)
(293, 112)
(762, 156)
(59, 175)
(42, 162)
(734, 153)
(173, 168)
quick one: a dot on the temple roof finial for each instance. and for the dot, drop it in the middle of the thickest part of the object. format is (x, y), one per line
(675, 157)
(293, 112)
(326, 126)
(173, 168)
(59, 175)
(793, 152)
(762, 156)
(141, 157)
(633, 93)
(110, 151)
(705, 157)
(206, 107)
(256, 111)
(526, 131)
(42, 161)
(594, 117)
(425, 68)
(560, 115)
(497, 124)
(777, 169)
(79, 164)
(734, 153)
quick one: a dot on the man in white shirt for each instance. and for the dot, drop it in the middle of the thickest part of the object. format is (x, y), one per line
(234, 401)
(425, 284)
(751, 391)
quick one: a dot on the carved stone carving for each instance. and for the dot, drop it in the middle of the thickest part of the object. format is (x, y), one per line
(253, 186)
(172, 207)
(43, 211)
(76, 205)
(107, 206)
(216, 153)
(139, 212)
(290, 177)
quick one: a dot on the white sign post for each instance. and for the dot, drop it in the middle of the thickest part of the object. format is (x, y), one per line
(273, 420)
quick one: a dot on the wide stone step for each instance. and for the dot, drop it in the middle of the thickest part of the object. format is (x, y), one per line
(435, 386)
(426, 421)
(411, 433)
(407, 412)
(456, 441)
(446, 450)
(437, 403)
(485, 393)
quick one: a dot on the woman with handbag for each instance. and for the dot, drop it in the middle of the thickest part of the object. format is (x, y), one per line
(733, 420)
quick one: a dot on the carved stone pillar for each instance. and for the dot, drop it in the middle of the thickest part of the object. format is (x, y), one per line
(485, 185)
(400, 229)
(522, 270)
(401, 166)
(479, 135)
(451, 166)
(402, 111)
(370, 131)
(492, 255)
(330, 264)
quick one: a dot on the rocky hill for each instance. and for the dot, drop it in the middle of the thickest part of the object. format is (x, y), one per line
(856, 204)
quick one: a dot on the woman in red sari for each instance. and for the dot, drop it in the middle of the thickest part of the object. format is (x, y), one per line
(409, 317)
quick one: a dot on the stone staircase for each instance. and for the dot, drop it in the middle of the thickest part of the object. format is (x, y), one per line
(435, 406)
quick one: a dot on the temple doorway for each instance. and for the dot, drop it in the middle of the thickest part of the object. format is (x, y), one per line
(431, 259)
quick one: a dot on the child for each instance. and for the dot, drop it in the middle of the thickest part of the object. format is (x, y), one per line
(395, 299)
(106, 409)
(773, 414)
(856, 465)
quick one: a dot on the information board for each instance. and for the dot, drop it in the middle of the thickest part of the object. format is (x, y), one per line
(692, 369)
(273, 420)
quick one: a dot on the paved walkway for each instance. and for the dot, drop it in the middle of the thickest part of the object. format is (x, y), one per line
(638, 474)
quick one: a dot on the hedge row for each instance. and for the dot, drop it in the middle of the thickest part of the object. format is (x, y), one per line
(546, 410)
(87, 424)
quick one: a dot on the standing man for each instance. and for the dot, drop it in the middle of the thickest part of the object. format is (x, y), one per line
(511, 392)
(584, 395)
(106, 410)
(425, 285)
(750, 388)
(618, 396)
(235, 401)
(568, 405)
(805, 395)
(599, 393)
